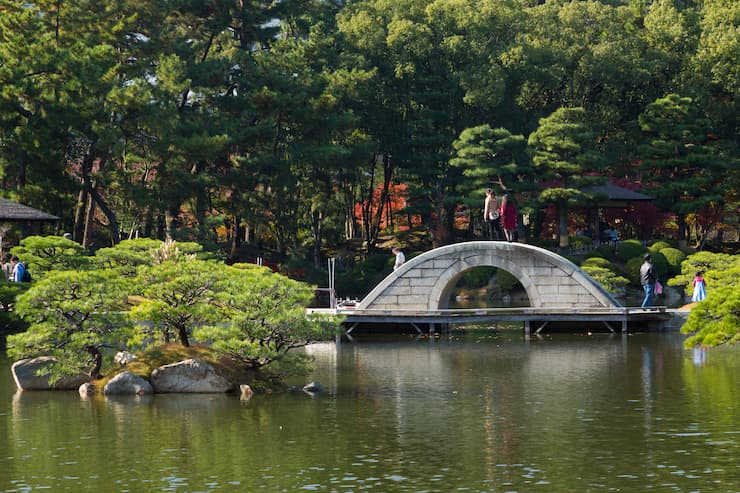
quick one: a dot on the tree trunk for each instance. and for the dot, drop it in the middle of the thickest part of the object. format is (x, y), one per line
(109, 214)
(184, 338)
(97, 359)
(89, 222)
(236, 238)
(170, 221)
(681, 220)
(78, 232)
(563, 226)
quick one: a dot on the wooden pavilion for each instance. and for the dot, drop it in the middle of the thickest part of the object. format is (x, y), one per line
(29, 220)
(611, 196)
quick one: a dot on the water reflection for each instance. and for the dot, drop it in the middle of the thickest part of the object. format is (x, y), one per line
(481, 411)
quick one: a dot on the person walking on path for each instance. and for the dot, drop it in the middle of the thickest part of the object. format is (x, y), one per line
(700, 287)
(508, 213)
(491, 215)
(648, 279)
(400, 258)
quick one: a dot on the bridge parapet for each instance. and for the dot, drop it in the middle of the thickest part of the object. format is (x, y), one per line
(426, 282)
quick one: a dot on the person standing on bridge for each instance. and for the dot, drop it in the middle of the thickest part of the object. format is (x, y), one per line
(648, 279)
(491, 216)
(508, 213)
(400, 258)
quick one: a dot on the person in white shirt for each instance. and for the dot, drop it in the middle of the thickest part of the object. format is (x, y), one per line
(491, 216)
(400, 258)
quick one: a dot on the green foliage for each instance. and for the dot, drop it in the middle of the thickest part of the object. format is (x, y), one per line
(716, 320)
(660, 264)
(477, 278)
(49, 253)
(711, 264)
(128, 254)
(629, 249)
(579, 241)
(632, 270)
(72, 315)
(685, 172)
(598, 262)
(673, 257)
(612, 282)
(262, 317)
(178, 296)
(9, 291)
(602, 251)
(506, 280)
(658, 246)
(486, 157)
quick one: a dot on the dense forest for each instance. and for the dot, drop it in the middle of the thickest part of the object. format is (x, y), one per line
(296, 126)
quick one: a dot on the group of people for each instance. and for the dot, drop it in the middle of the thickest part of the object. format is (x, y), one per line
(500, 221)
(651, 286)
(13, 269)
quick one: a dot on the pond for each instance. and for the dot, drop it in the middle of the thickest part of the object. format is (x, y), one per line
(478, 411)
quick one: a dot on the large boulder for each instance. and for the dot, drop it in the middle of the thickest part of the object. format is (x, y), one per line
(25, 374)
(189, 376)
(126, 383)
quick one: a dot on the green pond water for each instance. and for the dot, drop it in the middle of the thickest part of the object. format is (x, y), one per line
(479, 411)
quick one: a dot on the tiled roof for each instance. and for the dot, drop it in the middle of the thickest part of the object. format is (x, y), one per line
(13, 211)
(617, 193)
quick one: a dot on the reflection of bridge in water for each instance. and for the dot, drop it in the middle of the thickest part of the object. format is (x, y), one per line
(559, 292)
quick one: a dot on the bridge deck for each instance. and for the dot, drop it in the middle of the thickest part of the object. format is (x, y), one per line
(534, 319)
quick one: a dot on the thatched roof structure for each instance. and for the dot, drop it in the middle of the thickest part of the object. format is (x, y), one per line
(14, 212)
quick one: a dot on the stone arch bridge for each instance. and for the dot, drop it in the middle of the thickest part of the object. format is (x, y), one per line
(426, 282)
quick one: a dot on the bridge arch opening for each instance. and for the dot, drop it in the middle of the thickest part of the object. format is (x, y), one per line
(484, 287)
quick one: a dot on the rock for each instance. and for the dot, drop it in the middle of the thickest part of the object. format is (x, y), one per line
(246, 392)
(127, 383)
(87, 389)
(26, 378)
(123, 358)
(313, 388)
(191, 375)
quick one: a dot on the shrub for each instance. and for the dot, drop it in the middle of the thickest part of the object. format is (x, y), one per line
(712, 264)
(632, 270)
(579, 241)
(607, 278)
(660, 264)
(674, 257)
(598, 262)
(658, 246)
(629, 249)
(716, 320)
(603, 251)
(573, 259)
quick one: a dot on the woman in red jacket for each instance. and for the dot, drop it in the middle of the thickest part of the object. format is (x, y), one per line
(508, 217)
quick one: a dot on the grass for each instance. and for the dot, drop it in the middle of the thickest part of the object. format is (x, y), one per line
(164, 354)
